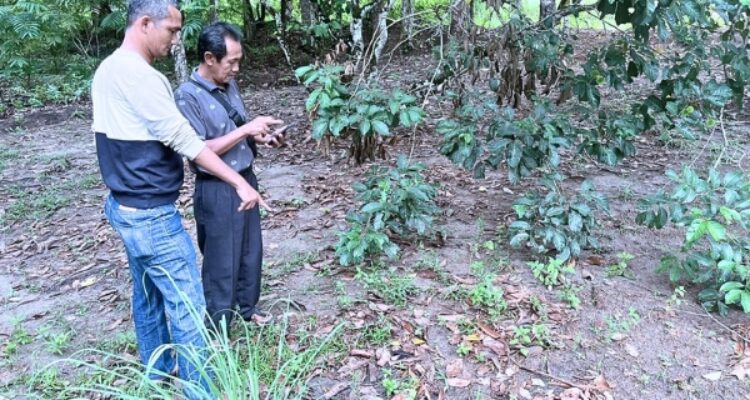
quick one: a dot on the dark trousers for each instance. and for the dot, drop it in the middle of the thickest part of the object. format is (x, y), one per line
(232, 248)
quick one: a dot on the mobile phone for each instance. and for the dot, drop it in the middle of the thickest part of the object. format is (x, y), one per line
(282, 130)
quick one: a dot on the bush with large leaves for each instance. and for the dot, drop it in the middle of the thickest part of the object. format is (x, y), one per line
(365, 115)
(714, 213)
(396, 203)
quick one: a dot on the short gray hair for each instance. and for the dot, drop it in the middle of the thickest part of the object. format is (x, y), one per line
(156, 9)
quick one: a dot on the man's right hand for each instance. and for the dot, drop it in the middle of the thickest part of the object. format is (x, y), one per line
(249, 197)
(260, 126)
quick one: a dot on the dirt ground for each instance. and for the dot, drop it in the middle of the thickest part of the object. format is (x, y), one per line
(63, 274)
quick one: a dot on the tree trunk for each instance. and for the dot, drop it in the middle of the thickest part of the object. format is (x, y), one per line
(307, 10)
(382, 29)
(280, 28)
(286, 12)
(214, 11)
(180, 62)
(547, 13)
(407, 21)
(248, 20)
(460, 19)
(355, 27)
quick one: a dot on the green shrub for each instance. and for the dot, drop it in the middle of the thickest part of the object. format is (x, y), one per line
(397, 202)
(714, 213)
(556, 222)
(365, 115)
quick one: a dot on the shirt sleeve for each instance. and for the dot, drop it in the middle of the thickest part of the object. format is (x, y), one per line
(191, 110)
(151, 98)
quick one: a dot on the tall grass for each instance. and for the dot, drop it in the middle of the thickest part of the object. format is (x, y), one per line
(259, 364)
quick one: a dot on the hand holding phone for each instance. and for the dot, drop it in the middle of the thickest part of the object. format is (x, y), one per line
(276, 138)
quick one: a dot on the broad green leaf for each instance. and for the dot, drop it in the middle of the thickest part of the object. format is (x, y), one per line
(575, 222)
(320, 127)
(380, 128)
(301, 71)
(370, 208)
(729, 286)
(514, 155)
(310, 103)
(696, 230)
(364, 126)
(520, 225)
(745, 301)
(716, 230)
(733, 296)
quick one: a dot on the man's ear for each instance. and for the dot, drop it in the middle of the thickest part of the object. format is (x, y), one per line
(209, 58)
(143, 22)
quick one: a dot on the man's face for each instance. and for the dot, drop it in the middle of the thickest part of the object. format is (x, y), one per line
(163, 34)
(222, 72)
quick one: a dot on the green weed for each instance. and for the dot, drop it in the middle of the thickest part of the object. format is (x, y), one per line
(389, 285)
(550, 273)
(378, 333)
(7, 156)
(19, 337)
(406, 388)
(621, 268)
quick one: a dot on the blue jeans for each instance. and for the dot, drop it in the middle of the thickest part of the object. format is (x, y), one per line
(165, 278)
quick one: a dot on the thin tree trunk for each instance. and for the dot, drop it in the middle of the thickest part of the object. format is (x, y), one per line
(180, 61)
(460, 20)
(407, 21)
(286, 12)
(214, 11)
(382, 30)
(307, 10)
(248, 20)
(546, 13)
(355, 27)
(279, 33)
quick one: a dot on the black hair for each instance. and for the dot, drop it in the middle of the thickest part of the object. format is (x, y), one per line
(213, 39)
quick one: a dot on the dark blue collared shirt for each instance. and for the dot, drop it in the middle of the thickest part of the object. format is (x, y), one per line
(211, 120)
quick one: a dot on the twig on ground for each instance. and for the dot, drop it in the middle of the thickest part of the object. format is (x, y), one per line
(721, 324)
(546, 375)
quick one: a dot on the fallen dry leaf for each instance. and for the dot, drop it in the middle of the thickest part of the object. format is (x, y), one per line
(88, 282)
(361, 353)
(572, 394)
(604, 387)
(454, 368)
(458, 382)
(498, 347)
(742, 369)
(472, 338)
(617, 337)
(595, 259)
(383, 355)
(488, 330)
(712, 376)
(631, 350)
(336, 389)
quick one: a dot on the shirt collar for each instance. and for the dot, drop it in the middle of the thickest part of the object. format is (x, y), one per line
(210, 85)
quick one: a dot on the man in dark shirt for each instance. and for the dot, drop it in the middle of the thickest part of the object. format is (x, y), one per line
(140, 140)
(229, 240)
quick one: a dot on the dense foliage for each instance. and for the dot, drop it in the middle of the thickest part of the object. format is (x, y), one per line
(397, 203)
(518, 93)
(714, 213)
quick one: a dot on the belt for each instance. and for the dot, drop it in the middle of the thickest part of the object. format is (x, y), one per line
(208, 177)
